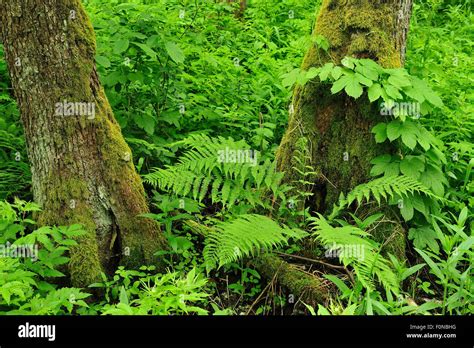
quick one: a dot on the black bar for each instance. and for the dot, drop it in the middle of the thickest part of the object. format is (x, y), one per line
(317, 331)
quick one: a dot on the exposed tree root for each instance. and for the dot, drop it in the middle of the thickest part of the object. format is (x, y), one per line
(304, 286)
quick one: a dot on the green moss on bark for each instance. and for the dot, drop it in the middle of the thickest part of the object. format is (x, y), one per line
(337, 126)
(308, 288)
(81, 166)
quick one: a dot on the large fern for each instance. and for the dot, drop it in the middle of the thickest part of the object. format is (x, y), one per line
(199, 173)
(245, 236)
(386, 187)
(367, 266)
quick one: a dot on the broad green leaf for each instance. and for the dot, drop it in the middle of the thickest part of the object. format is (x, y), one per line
(409, 134)
(381, 163)
(415, 94)
(406, 209)
(368, 72)
(399, 81)
(353, 87)
(325, 71)
(348, 62)
(290, 78)
(375, 92)
(103, 61)
(432, 97)
(433, 178)
(392, 92)
(380, 131)
(394, 130)
(312, 73)
(340, 84)
(412, 166)
(424, 237)
(363, 80)
(148, 50)
(175, 53)
(336, 72)
(121, 46)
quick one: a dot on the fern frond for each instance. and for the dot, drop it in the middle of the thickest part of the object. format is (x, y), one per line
(366, 260)
(201, 171)
(245, 236)
(386, 187)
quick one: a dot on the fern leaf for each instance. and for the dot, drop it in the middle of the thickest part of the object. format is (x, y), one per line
(245, 236)
(366, 260)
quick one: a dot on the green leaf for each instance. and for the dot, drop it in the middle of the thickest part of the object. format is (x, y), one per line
(394, 130)
(407, 209)
(409, 134)
(393, 169)
(290, 78)
(121, 46)
(409, 271)
(348, 62)
(148, 50)
(380, 163)
(311, 73)
(432, 98)
(414, 94)
(412, 166)
(146, 122)
(353, 87)
(399, 81)
(428, 93)
(368, 72)
(322, 42)
(463, 216)
(363, 80)
(339, 283)
(340, 84)
(380, 131)
(433, 178)
(433, 266)
(407, 130)
(424, 237)
(103, 61)
(375, 92)
(325, 71)
(336, 72)
(392, 92)
(425, 138)
(175, 53)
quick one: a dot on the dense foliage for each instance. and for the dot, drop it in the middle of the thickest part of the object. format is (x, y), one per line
(191, 81)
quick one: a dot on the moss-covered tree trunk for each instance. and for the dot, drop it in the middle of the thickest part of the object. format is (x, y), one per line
(81, 165)
(337, 127)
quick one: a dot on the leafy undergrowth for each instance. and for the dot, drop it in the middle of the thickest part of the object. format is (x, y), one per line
(192, 80)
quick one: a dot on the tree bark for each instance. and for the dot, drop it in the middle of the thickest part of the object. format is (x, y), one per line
(337, 127)
(242, 6)
(82, 167)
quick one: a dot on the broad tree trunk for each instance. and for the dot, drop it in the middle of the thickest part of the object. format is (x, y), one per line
(82, 168)
(337, 127)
